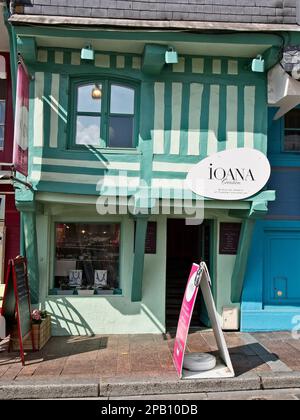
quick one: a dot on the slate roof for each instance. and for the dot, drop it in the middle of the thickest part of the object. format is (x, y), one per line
(236, 11)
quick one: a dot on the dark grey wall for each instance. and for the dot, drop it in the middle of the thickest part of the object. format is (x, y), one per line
(248, 11)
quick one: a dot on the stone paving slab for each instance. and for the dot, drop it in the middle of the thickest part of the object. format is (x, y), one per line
(282, 395)
(112, 387)
(142, 364)
(73, 388)
(280, 380)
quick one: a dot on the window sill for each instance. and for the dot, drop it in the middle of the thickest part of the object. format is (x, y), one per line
(70, 293)
(107, 151)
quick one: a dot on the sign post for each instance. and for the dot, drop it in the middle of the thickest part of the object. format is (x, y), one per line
(16, 302)
(200, 278)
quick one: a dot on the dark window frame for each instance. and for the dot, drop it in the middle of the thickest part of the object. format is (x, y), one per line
(105, 113)
(285, 129)
(52, 285)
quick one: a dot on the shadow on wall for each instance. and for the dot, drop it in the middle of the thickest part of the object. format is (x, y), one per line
(62, 312)
(67, 320)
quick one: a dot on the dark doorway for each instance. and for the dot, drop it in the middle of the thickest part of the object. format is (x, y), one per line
(185, 245)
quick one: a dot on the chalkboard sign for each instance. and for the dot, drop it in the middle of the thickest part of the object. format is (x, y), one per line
(229, 238)
(16, 306)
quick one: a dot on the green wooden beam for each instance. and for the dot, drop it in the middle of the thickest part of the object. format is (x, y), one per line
(237, 280)
(27, 48)
(26, 204)
(154, 59)
(139, 257)
(272, 57)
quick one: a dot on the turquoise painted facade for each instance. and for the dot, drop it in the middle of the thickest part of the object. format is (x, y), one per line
(204, 104)
(271, 295)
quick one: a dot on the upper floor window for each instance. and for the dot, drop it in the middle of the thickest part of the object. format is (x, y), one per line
(3, 96)
(105, 114)
(292, 131)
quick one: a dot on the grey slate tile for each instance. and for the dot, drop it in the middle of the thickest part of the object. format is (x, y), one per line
(248, 11)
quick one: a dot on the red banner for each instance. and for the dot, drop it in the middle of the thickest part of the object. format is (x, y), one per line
(20, 158)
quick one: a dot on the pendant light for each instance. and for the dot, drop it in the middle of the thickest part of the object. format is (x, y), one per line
(97, 92)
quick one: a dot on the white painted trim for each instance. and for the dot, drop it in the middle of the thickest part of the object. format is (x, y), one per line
(232, 117)
(172, 167)
(38, 137)
(136, 23)
(159, 119)
(55, 89)
(213, 126)
(176, 118)
(102, 60)
(168, 183)
(85, 179)
(249, 116)
(196, 94)
(130, 166)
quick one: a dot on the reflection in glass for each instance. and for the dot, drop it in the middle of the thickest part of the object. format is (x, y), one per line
(2, 123)
(85, 100)
(292, 131)
(292, 141)
(292, 119)
(88, 130)
(91, 249)
(2, 112)
(121, 131)
(1, 136)
(122, 100)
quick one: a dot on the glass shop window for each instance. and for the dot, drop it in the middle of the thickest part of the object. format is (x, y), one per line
(87, 259)
(3, 91)
(292, 131)
(105, 115)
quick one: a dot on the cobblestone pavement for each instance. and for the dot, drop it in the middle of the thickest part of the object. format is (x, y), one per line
(139, 357)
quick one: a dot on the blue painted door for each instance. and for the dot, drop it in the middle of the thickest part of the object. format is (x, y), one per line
(282, 269)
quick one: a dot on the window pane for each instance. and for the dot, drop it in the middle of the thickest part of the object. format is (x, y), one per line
(3, 89)
(292, 141)
(2, 112)
(121, 100)
(121, 132)
(87, 256)
(88, 130)
(1, 136)
(85, 100)
(292, 119)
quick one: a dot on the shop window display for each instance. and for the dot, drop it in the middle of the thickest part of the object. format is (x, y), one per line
(87, 259)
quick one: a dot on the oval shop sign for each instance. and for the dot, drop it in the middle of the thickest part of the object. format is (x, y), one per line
(230, 175)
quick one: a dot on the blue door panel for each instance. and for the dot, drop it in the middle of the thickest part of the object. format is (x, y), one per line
(282, 269)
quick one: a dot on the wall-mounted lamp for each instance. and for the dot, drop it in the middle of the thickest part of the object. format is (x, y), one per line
(258, 64)
(87, 53)
(171, 56)
(97, 92)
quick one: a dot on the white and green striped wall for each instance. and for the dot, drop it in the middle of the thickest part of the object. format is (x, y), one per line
(195, 108)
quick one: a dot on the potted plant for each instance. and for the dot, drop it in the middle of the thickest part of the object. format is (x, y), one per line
(41, 330)
(104, 291)
(86, 291)
(65, 290)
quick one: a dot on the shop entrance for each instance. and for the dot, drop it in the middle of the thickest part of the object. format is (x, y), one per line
(185, 245)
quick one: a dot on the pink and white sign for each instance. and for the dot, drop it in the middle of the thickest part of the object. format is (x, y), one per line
(185, 317)
(20, 157)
